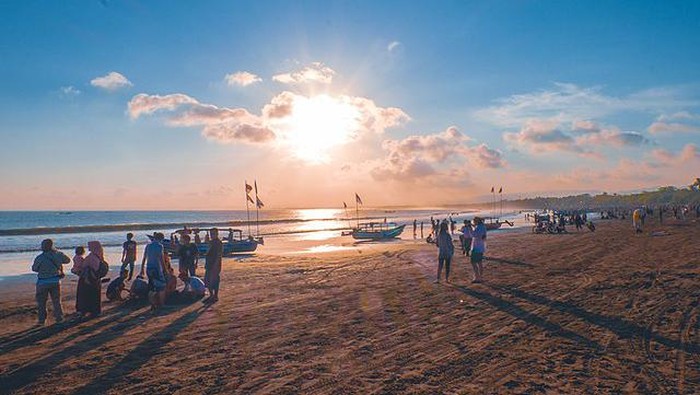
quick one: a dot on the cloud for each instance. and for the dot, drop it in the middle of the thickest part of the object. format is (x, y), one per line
(221, 124)
(393, 46)
(315, 72)
(278, 120)
(422, 155)
(680, 122)
(69, 91)
(688, 153)
(111, 82)
(582, 137)
(566, 103)
(241, 78)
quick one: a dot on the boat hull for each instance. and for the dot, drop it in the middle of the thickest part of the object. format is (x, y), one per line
(229, 247)
(377, 235)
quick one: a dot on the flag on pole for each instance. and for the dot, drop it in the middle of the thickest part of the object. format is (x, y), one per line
(492, 189)
(259, 203)
(256, 187)
(250, 199)
(357, 198)
(500, 190)
(248, 188)
(345, 205)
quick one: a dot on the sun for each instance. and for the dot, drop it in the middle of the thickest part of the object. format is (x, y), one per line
(317, 124)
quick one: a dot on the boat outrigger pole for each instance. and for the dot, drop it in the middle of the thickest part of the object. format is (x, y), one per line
(247, 207)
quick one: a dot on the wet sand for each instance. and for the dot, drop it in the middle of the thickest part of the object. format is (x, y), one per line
(604, 312)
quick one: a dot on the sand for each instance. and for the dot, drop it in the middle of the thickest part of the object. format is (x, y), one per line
(604, 312)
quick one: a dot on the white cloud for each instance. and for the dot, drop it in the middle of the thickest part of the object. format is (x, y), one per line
(111, 82)
(680, 122)
(442, 153)
(241, 78)
(316, 72)
(277, 119)
(566, 103)
(393, 46)
(69, 91)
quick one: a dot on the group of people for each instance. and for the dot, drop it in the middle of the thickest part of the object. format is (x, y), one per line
(472, 241)
(155, 266)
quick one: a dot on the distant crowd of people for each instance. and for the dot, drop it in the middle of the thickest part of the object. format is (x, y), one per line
(159, 288)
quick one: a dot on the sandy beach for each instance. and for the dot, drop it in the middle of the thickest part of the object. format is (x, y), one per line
(603, 312)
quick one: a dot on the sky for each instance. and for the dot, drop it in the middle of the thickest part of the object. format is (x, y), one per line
(175, 104)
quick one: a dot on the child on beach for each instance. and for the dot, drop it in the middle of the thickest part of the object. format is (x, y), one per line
(115, 288)
(128, 254)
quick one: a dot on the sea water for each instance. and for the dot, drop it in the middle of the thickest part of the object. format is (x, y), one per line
(319, 229)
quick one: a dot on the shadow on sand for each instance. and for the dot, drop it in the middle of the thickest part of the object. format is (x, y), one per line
(621, 327)
(509, 262)
(101, 334)
(528, 317)
(140, 355)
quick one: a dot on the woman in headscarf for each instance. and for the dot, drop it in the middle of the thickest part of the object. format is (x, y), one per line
(88, 299)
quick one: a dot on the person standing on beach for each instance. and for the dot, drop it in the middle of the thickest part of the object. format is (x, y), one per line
(478, 249)
(415, 225)
(421, 229)
(128, 255)
(88, 299)
(49, 268)
(154, 260)
(187, 258)
(212, 265)
(446, 250)
(467, 238)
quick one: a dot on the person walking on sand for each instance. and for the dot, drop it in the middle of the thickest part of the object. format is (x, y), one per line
(154, 260)
(446, 250)
(478, 249)
(88, 295)
(49, 268)
(128, 255)
(212, 266)
(415, 225)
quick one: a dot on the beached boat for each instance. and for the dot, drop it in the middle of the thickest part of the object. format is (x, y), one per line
(377, 231)
(233, 243)
(495, 223)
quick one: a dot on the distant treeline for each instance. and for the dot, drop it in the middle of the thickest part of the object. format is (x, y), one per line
(661, 197)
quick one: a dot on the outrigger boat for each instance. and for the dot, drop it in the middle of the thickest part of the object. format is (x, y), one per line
(377, 231)
(495, 223)
(233, 243)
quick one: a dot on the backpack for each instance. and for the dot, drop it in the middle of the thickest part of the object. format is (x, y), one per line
(103, 270)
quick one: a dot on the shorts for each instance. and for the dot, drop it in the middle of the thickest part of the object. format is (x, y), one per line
(156, 280)
(477, 257)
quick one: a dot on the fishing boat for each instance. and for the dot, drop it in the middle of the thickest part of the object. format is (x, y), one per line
(377, 231)
(233, 243)
(496, 223)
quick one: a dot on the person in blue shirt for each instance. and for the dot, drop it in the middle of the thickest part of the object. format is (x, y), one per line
(154, 260)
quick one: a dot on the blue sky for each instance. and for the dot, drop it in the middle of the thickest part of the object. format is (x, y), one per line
(538, 96)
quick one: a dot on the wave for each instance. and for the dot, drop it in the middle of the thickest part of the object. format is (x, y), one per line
(45, 230)
(280, 233)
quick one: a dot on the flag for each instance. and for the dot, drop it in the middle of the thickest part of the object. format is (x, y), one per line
(250, 199)
(259, 203)
(248, 188)
(345, 205)
(492, 189)
(357, 199)
(500, 190)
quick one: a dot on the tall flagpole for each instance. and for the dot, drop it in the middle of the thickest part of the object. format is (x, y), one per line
(357, 211)
(247, 207)
(500, 193)
(257, 209)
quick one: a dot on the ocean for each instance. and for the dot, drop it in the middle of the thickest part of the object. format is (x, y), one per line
(285, 231)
